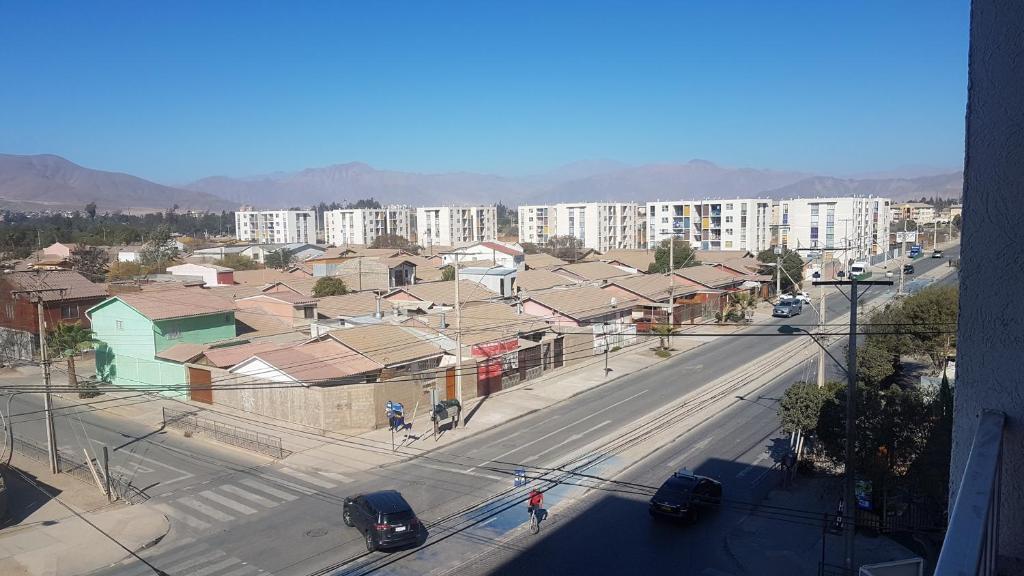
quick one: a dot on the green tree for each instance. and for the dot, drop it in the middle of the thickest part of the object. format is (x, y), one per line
(238, 262)
(279, 259)
(89, 261)
(448, 273)
(67, 341)
(329, 286)
(529, 248)
(394, 241)
(792, 267)
(957, 221)
(683, 256)
(90, 209)
(875, 364)
(124, 271)
(567, 248)
(160, 250)
(664, 331)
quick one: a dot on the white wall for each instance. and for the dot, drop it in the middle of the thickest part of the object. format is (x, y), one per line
(276, 226)
(455, 225)
(209, 275)
(364, 225)
(740, 224)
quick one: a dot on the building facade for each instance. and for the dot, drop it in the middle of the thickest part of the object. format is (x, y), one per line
(837, 228)
(364, 225)
(601, 226)
(917, 211)
(740, 224)
(275, 226)
(456, 225)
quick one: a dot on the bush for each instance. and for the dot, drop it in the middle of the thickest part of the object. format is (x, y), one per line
(662, 353)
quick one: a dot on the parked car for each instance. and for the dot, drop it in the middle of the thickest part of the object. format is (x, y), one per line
(683, 495)
(385, 519)
(908, 268)
(788, 308)
(937, 254)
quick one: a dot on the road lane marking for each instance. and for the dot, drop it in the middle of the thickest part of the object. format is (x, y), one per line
(267, 489)
(308, 479)
(297, 487)
(205, 509)
(207, 570)
(675, 462)
(249, 496)
(572, 438)
(562, 429)
(131, 455)
(451, 471)
(193, 561)
(227, 502)
(334, 476)
(187, 519)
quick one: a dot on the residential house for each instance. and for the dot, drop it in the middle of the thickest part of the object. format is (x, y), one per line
(542, 260)
(65, 294)
(130, 253)
(59, 250)
(658, 289)
(592, 319)
(132, 329)
(212, 274)
(442, 293)
(497, 279)
(369, 273)
(291, 309)
(261, 277)
(497, 253)
(635, 261)
(540, 279)
(591, 271)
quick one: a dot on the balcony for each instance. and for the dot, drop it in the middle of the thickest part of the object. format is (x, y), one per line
(971, 543)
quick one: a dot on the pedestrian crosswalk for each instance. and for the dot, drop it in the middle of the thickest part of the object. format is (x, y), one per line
(184, 557)
(203, 508)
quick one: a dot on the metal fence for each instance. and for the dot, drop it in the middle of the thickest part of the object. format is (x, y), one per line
(79, 470)
(224, 433)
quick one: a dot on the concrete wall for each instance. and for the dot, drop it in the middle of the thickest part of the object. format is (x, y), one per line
(991, 332)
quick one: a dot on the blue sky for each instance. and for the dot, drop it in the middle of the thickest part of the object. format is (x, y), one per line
(174, 91)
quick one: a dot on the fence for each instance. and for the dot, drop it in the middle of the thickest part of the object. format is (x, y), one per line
(224, 433)
(79, 470)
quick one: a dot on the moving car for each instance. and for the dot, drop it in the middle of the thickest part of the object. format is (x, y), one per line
(683, 495)
(908, 268)
(385, 519)
(937, 254)
(788, 308)
(801, 296)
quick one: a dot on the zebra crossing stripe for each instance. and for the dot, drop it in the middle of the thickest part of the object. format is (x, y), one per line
(228, 502)
(266, 502)
(181, 566)
(297, 487)
(335, 476)
(206, 571)
(187, 519)
(308, 479)
(272, 491)
(205, 509)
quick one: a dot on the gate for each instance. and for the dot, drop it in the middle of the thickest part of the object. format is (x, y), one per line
(449, 383)
(199, 385)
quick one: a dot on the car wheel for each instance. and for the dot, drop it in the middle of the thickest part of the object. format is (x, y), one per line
(371, 543)
(346, 517)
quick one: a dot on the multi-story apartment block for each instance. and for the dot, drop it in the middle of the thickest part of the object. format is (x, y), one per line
(275, 226)
(456, 225)
(741, 224)
(841, 228)
(364, 225)
(917, 211)
(601, 226)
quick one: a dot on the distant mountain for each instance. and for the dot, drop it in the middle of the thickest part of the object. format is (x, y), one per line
(47, 182)
(900, 189)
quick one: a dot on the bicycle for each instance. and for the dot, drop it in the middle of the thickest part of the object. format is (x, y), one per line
(534, 520)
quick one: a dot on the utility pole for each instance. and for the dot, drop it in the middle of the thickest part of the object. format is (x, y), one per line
(850, 491)
(822, 339)
(903, 254)
(458, 343)
(778, 271)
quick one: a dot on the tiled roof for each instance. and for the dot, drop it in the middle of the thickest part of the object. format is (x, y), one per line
(443, 293)
(541, 280)
(184, 303)
(483, 322)
(260, 277)
(718, 256)
(639, 259)
(652, 286)
(228, 356)
(76, 286)
(592, 270)
(581, 302)
(387, 344)
(319, 360)
(298, 284)
(710, 276)
(349, 305)
(542, 260)
(257, 323)
(182, 353)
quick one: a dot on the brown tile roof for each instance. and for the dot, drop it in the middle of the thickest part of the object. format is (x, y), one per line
(289, 297)
(710, 276)
(592, 270)
(652, 286)
(355, 304)
(317, 361)
(299, 285)
(184, 303)
(639, 259)
(501, 248)
(257, 323)
(387, 344)
(228, 356)
(542, 260)
(719, 256)
(182, 353)
(75, 286)
(581, 302)
(260, 277)
(484, 322)
(540, 280)
(443, 293)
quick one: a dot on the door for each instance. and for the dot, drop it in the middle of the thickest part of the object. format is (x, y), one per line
(199, 388)
(449, 383)
(559, 352)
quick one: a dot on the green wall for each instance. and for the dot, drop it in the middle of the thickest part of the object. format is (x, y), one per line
(196, 330)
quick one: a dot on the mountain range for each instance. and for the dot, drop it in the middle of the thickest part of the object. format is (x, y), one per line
(47, 181)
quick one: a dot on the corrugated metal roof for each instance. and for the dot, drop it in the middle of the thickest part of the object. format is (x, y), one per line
(182, 353)
(581, 302)
(543, 260)
(443, 293)
(386, 344)
(541, 280)
(593, 270)
(349, 305)
(183, 303)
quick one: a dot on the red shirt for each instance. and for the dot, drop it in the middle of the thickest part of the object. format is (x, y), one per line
(536, 499)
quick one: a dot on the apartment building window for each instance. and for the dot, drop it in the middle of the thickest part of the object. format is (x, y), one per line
(728, 206)
(728, 219)
(728, 231)
(664, 207)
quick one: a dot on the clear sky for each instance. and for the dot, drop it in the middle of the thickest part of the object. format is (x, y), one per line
(177, 90)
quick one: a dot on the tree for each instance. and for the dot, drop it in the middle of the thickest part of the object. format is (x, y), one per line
(279, 259)
(529, 248)
(90, 209)
(238, 262)
(393, 241)
(90, 261)
(792, 267)
(67, 341)
(567, 248)
(329, 286)
(800, 406)
(124, 271)
(664, 331)
(957, 221)
(160, 250)
(683, 257)
(875, 364)
(448, 273)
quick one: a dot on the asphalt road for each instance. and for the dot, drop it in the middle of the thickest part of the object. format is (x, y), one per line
(287, 522)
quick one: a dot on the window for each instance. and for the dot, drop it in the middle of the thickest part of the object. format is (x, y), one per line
(307, 312)
(118, 324)
(728, 206)
(9, 311)
(69, 311)
(728, 219)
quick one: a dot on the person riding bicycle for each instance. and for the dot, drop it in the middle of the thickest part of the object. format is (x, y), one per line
(536, 501)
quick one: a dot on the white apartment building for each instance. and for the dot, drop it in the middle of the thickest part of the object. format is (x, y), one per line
(275, 226)
(364, 225)
(601, 226)
(843, 228)
(919, 212)
(456, 225)
(740, 224)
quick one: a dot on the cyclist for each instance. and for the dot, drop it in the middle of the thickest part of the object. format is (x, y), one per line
(536, 501)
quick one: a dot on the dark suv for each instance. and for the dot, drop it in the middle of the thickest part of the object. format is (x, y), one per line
(908, 268)
(684, 494)
(385, 519)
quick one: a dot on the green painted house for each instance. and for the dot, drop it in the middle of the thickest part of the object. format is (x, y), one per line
(132, 329)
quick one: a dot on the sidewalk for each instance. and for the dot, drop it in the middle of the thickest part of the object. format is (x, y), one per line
(44, 538)
(772, 540)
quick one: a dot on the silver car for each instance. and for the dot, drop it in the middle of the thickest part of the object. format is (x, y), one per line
(788, 308)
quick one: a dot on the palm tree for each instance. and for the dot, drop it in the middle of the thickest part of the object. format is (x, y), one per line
(663, 330)
(67, 341)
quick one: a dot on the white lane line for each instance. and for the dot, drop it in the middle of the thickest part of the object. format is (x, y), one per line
(205, 509)
(562, 429)
(243, 570)
(227, 502)
(266, 502)
(131, 455)
(451, 471)
(297, 487)
(689, 452)
(180, 566)
(308, 479)
(187, 519)
(334, 476)
(207, 570)
(267, 489)
(572, 438)
(760, 458)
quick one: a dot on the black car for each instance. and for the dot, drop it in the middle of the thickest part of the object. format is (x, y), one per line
(385, 519)
(908, 268)
(684, 494)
